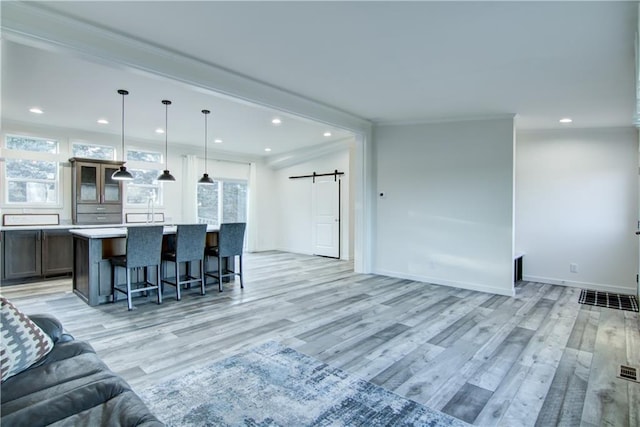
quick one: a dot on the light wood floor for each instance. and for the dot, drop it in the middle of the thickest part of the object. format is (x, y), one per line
(537, 359)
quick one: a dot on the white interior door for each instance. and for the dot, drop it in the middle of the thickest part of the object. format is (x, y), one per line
(326, 216)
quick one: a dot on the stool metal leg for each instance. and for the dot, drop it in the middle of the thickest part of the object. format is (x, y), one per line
(129, 302)
(158, 282)
(202, 279)
(114, 294)
(177, 265)
(219, 273)
(241, 284)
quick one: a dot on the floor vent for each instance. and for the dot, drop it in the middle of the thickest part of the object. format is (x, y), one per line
(609, 300)
(628, 373)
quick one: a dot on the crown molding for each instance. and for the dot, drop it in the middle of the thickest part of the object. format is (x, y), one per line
(36, 25)
(507, 116)
(577, 130)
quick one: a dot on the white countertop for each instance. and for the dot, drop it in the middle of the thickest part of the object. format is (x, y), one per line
(41, 227)
(111, 232)
(100, 233)
(74, 226)
(58, 227)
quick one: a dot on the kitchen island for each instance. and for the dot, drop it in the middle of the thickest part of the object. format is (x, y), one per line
(92, 249)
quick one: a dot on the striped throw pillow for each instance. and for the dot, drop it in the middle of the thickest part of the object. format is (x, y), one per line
(23, 342)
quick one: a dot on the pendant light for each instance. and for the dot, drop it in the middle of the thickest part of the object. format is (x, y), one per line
(122, 174)
(205, 177)
(166, 176)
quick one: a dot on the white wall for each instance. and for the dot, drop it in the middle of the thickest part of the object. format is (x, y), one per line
(446, 216)
(263, 208)
(577, 202)
(294, 212)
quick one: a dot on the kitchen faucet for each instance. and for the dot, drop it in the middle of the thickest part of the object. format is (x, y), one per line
(151, 217)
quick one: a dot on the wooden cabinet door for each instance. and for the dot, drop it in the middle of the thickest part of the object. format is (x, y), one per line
(97, 197)
(88, 182)
(111, 189)
(21, 252)
(57, 252)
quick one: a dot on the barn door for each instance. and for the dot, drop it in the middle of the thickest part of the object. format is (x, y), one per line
(326, 216)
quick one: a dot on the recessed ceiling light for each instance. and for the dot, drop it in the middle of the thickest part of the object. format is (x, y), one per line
(276, 121)
(267, 149)
(217, 141)
(103, 121)
(566, 120)
(159, 130)
(327, 134)
(36, 110)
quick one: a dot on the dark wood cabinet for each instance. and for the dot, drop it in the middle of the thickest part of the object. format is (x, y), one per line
(35, 254)
(57, 252)
(96, 197)
(21, 254)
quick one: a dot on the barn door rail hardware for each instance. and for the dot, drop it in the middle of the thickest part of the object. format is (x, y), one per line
(335, 174)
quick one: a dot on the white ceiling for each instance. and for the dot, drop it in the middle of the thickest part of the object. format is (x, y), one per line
(388, 62)
(74, 93)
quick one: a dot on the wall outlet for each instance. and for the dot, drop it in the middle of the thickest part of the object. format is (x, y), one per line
(573, 267)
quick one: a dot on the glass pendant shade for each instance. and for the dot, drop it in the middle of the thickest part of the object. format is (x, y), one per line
(166, 175)
(205, 176)
(122, 174)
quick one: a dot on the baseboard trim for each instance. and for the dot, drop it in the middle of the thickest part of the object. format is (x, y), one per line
(583, 285)
(451, 283)
(294, 251)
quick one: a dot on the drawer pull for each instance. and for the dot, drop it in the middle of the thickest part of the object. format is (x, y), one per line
(101, 218)
(101, 208)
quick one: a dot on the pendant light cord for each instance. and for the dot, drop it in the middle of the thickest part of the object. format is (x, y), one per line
(166, 130)
(166, 176)
(205, 143)
(123, 127)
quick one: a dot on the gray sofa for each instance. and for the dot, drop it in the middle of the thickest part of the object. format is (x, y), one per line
(70, 386)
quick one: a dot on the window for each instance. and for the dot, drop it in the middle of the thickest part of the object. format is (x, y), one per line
(31, 176)
(224, 201)
(144, 156)
(92, 151)
(208, 203)
(234, 203)
(146, 167)
(32, 181)
(143, 187)
(26, 143)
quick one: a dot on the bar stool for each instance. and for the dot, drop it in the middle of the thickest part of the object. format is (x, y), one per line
(230, 245)
(144, 245)
(189, 245)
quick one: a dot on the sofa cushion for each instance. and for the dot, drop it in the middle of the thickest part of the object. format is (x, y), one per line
(72, 390)
(125, 409)
(49, 324)
(66, 363)
(64, 400)
(23, 342)
(72, 387)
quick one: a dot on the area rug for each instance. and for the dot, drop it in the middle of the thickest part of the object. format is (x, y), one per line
(609, 300)
(273, 385)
